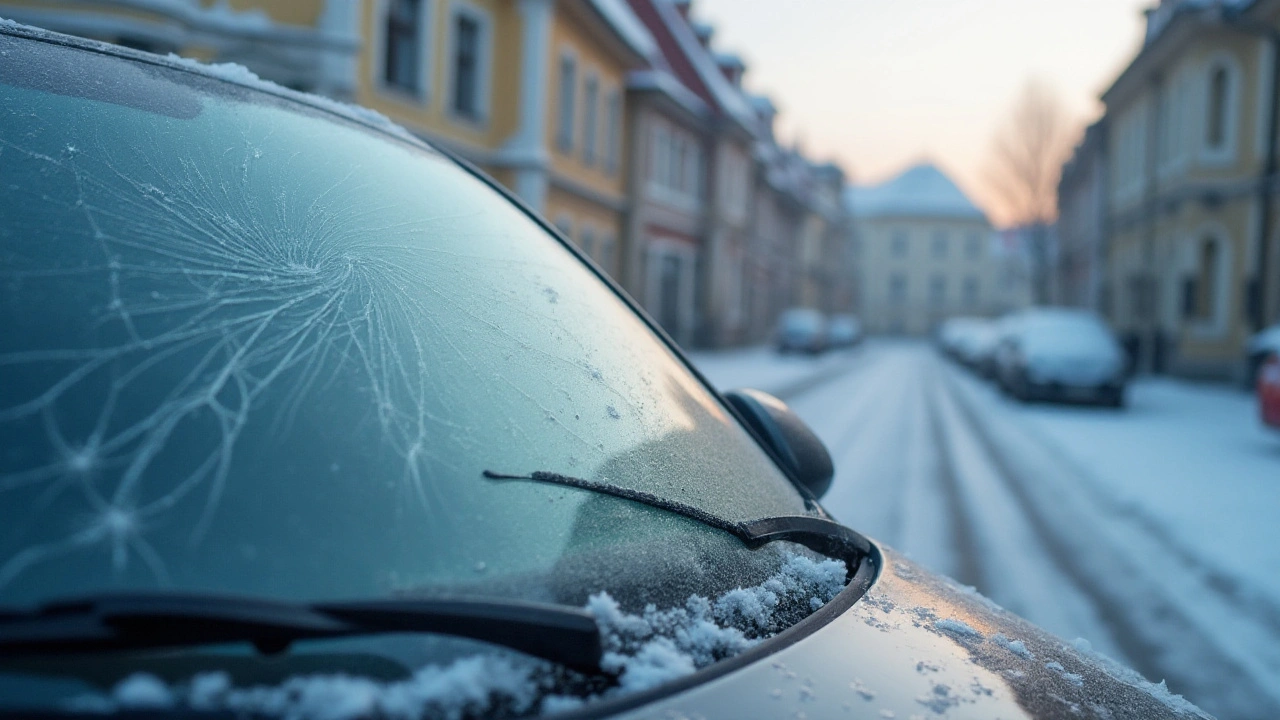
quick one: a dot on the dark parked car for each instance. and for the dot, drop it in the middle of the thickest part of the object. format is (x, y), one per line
(1061, 354)
(801, 330)
(302, 418)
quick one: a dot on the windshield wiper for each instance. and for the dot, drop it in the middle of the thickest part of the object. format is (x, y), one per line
(818, 534)
(155, 620)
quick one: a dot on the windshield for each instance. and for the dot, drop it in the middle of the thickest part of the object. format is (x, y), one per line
(249, 348)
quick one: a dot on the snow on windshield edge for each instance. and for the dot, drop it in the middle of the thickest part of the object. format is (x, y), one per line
(642, 650)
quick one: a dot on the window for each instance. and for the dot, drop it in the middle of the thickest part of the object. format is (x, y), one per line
(568, 102)
(613, 130)
(693, 169)
(1219, 91)
(899, 243)
(466, 66)
(970, 291)
(973, 246)
(898, 288)
(1203, 290)
(588, 242)
(608, 253)
(661, 150)
(564, 224)
(937, 290)
(402, 46)
(940, 244)
(590, 119)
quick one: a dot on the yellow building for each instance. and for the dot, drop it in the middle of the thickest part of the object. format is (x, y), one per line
(532, 91)
(1187, 136)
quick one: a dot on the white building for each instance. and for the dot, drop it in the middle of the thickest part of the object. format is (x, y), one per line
(925, 252)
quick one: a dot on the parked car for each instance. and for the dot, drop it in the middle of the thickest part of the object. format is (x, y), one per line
(1261, 347)
(303, 418)
(1269, 390)
(843, 331)
(1061, 354)
(801, 330)
(951, 334)
(977, 347)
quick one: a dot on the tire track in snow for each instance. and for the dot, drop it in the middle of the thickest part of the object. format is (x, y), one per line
(968, 569)
(1222, 682)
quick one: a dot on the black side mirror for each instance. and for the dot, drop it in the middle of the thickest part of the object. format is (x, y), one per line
(801, 453)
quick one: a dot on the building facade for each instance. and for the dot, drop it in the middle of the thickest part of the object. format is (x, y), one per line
(925, 253)
(1081, 228)
(1191, 139)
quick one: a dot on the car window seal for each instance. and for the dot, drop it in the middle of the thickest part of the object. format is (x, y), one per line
(822, 535)
(151, 620)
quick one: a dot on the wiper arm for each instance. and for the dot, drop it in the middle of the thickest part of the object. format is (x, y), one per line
(818, 534)
(155, 620)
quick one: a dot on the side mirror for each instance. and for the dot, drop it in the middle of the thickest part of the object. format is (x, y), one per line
(801, 453)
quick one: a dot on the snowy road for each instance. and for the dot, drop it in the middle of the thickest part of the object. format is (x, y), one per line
(1150, 532)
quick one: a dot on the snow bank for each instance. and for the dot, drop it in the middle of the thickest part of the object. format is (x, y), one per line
(641, 650)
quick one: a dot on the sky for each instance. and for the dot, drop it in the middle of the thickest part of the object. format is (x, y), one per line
(878, 85)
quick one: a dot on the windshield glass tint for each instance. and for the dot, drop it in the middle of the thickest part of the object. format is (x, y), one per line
(249, 347)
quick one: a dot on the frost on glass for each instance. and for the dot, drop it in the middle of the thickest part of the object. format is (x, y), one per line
(256, 350)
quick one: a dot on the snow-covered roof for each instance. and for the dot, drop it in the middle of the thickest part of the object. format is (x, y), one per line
(663, 81)
(627, 25)
(731, 100)
(920, 191)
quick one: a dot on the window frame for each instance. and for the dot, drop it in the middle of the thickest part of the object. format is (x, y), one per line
(426, 61)
(566, 94)
(1223, 152)
(590, 117)
(462, 10)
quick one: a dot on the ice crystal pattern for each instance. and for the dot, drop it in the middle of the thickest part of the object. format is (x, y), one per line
(251, 291)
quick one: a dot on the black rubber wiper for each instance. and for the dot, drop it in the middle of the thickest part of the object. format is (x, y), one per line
(157, 620)
(818, 534)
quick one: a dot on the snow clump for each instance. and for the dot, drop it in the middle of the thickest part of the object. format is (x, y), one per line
(1017, 647)
(958, 627)
(641, 650)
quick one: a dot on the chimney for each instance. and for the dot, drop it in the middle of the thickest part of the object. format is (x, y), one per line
(732, 67)
(704, 31)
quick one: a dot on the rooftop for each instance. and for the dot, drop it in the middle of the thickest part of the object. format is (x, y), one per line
(920, 191)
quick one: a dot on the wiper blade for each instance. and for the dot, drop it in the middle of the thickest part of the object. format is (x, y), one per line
(818, 534)
(155, 620)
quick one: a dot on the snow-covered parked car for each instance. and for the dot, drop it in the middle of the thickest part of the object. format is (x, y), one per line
(302, 418)
(801, 330)
(1260, 348)
(1061, 354)
(843, 331)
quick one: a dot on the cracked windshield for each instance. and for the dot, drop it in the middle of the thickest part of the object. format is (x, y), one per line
(640, 358)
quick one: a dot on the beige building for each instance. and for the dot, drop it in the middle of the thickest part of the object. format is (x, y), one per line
(924, 253)
(1191, 143)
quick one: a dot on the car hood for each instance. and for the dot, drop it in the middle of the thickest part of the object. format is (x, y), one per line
(920, 645)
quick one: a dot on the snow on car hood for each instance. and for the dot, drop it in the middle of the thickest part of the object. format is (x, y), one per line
(921, 646)
(642, 650)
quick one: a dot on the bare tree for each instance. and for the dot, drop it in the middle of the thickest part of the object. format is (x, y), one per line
(1025, 166)
(1028, 154)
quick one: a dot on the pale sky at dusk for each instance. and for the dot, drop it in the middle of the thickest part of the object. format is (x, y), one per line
(880, 84)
